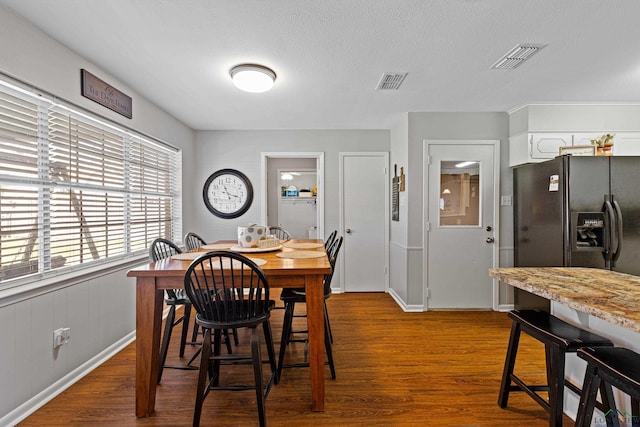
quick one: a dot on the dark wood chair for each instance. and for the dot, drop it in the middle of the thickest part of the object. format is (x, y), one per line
(279, 232)
(229, 291)
(160, 249)
(193, 241)
(292, 296)
(330, 239)
(559, 338)
(609, 366)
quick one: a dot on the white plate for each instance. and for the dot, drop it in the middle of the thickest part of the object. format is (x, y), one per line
(240, 249)
(217, 246)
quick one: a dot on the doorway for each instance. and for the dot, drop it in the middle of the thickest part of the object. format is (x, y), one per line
(271, 191)
(460, 199)
(364, 221)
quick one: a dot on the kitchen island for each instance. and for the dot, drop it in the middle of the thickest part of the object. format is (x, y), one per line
(608, 295)
(603, 301)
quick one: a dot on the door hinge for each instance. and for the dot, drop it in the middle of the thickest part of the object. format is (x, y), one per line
(428, 293)
(385, 270)
(428, 160)
(427, 227)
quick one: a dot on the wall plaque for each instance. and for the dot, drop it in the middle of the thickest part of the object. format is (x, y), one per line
(104, 94)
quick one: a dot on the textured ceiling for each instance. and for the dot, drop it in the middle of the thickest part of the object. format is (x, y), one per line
(329, 55)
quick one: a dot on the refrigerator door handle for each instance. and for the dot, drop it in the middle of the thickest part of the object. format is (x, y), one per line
(616, 253)
(609, 236)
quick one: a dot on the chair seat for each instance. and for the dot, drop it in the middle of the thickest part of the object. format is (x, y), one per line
(239, 322)
(298, 295)
(615, 363)
(180, 299)
(547, 328)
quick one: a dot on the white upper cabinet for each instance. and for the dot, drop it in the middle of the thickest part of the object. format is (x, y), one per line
(626, 144)
(541, 146)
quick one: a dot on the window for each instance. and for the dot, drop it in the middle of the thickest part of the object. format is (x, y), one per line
(76, 191)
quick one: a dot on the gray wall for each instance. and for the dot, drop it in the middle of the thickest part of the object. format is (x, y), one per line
(407, 241)
(99, 307)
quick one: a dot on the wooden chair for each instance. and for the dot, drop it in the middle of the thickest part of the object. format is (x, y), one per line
(330, 239)
(230, 291)
(279, 232)
(609, 366)
(160, 249)
(193, 241)
(559, 338)
(292, 296)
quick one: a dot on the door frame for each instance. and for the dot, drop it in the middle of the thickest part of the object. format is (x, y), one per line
(387, 213)
(319, 156)
(426, 162)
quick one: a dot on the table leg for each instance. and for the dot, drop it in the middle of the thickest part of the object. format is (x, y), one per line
(148, 325)
(315, 323)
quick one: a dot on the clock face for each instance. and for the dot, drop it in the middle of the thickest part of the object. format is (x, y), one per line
(228, 193)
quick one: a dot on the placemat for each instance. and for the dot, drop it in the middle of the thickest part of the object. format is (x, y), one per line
(303, 245)
(240, 249)
(217, 246)
(300, 254)
(236, 265)
(187, 256)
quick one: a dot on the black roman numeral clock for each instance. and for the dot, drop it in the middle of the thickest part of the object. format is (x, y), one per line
(227, 193)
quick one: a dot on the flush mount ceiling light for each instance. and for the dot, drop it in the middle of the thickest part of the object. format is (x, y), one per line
(252, 77)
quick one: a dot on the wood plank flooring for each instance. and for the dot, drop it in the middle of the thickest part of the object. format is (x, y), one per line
(393, 369)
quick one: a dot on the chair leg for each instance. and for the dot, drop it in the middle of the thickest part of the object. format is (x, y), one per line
(268, 337)
(556, 384)
(608, 401)
(587, 397)
(236, 341)
(286, 332)
(194, 335)
(327, 345)
(227, 341)
(635, 412)
(203, 384)
(166, 337)
(509, 363)
(257, 373)
(326, 319)
(214, 368)
(186, 317)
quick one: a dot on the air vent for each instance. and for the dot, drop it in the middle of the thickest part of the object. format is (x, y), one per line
(391, 81)
(517, 55)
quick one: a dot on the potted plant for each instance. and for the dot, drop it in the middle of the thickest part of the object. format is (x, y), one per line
(604, 144)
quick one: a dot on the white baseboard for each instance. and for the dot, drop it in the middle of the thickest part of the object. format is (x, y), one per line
(505, 307)
(406, 307)
(36, 402)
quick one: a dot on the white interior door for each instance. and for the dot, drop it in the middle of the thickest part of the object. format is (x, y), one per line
(461, 191)
(364, 221)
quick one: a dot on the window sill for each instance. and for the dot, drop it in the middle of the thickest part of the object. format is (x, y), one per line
(36, 286)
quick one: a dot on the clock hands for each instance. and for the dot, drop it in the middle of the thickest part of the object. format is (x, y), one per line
(229, 194)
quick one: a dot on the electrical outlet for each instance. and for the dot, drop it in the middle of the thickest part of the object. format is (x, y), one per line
(58, 337)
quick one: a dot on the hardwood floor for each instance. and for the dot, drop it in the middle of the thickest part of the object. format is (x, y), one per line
(393, 369)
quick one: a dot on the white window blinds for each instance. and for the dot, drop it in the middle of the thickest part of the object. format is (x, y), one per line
(76, 191)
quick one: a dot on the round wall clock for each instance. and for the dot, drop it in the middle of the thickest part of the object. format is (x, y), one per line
(227, 193)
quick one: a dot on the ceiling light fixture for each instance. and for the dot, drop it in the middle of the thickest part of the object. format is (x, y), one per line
(465, 164)
(252, 77)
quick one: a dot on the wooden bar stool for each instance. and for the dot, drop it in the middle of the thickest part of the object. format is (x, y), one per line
(558, 338)
(612, 366)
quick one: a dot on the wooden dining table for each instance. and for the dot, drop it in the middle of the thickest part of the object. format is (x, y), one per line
(290, 272)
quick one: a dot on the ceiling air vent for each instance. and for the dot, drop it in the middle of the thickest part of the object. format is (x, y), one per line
(517, 55)
(391, 81)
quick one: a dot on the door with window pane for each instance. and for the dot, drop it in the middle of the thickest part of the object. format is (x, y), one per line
(461, 225)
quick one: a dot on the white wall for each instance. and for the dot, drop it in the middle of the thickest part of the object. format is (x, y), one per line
(99, 307)
(241, 150)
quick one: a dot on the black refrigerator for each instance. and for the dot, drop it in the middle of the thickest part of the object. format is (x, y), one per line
(577, 211)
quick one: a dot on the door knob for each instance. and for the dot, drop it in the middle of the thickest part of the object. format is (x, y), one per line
(348, 231)
(490, 240)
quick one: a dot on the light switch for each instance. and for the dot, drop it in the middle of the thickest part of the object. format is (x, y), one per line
(505, 200)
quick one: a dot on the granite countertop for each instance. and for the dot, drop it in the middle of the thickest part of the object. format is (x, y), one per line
(608, 295)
